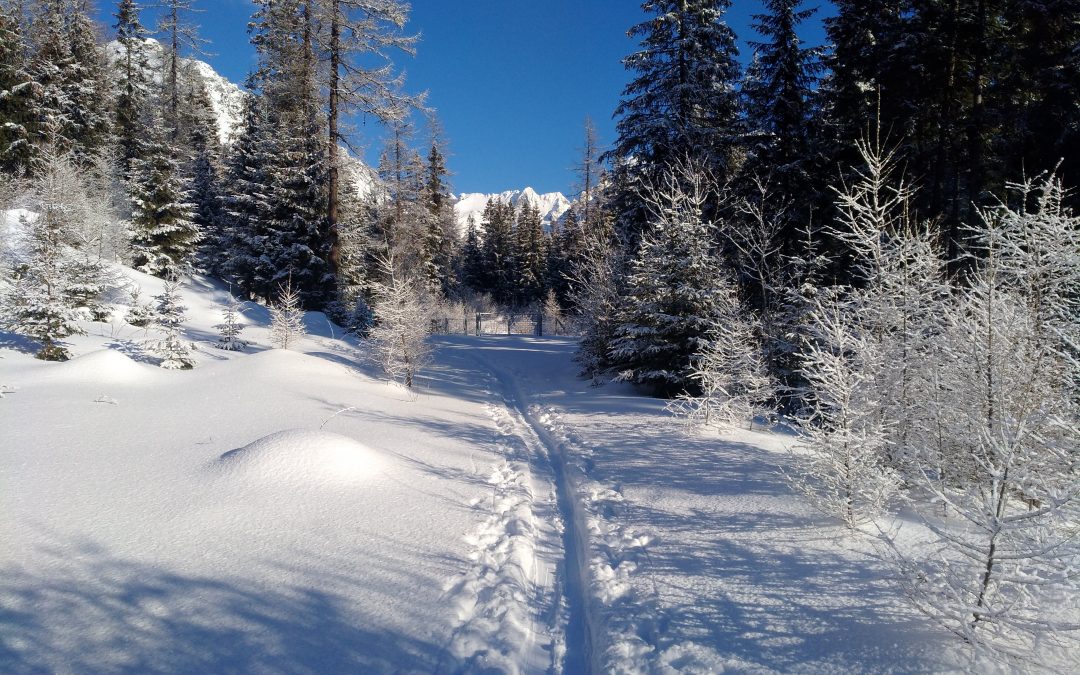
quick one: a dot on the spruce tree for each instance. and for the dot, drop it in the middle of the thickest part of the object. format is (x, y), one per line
(530, 256)
(778, 93)
(16, 95)
(440, 233)
(71, 94)
(169, 319)
(164, 237)
(246, 205)
(682, 103)
(133, 93)
(674, 296)
(231, 328)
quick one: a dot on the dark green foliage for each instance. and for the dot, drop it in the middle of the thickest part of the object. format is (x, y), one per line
(682, 103)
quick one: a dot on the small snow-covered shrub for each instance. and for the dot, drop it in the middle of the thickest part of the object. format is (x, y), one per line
(231, 328)
(174, 352)
(286, 318)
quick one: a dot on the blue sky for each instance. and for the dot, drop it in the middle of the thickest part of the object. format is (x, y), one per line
(512, 80)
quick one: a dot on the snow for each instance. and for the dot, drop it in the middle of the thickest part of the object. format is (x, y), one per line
(290, 511)
(552, 205)
(300, 456)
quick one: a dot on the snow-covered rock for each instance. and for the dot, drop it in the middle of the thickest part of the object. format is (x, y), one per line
(301, 456)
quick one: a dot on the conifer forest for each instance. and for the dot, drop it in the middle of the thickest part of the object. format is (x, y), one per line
(789, 380)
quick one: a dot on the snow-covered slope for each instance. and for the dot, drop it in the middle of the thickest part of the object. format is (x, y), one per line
(552, 205)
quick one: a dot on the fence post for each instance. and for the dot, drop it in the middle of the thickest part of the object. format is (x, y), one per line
(539, 324)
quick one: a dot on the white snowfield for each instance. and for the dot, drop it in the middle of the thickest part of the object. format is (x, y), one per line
(288, 512)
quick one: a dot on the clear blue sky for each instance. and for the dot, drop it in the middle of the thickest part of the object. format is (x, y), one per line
(512, 80)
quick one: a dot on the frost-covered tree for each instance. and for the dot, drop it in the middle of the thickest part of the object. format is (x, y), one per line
(139, 314)
(286, 317)
(1002, 567)
(231, 328)
(400, 333)
(56, 279)
(596, 291)
(169, 317)
(733, 385)
(838, 465)
(674, 296)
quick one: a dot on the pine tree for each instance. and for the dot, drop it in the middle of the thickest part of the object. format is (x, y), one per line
(440, 231)
(498, 251)
(16, 95)
(531, 256)
(164, 237)
(246, 204)
(199, 137)
(132, 88)
(67, 66)
(472, 262)
(778, 91)
(290, 234)
(682, 102)
(286, 317)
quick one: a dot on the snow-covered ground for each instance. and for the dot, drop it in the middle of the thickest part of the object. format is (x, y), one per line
(288, 511)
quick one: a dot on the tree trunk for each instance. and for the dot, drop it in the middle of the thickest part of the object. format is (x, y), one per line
(334, 257)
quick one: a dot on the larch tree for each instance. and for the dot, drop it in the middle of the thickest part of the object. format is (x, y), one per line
(400, 333)
(286, 317)
(356, 41)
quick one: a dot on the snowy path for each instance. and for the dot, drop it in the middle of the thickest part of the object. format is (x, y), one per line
(573, 570)
(688, 553)
(277, 511)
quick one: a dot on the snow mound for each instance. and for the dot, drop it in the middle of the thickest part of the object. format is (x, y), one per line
(301, 456)
(104, 366)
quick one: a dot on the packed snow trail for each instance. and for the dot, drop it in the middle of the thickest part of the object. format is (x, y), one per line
(574, 571)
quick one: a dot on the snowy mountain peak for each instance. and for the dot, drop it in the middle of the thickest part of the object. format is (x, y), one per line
(552, 205)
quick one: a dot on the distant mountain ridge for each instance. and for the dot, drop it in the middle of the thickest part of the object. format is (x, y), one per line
(552, 205)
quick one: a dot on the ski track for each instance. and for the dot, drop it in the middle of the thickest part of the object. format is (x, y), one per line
(626, 620)
(573, 631)
(509, 599)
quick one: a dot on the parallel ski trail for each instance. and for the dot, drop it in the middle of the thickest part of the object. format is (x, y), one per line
(579, 630)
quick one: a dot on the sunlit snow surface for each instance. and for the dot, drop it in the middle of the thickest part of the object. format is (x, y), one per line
(288, 511)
